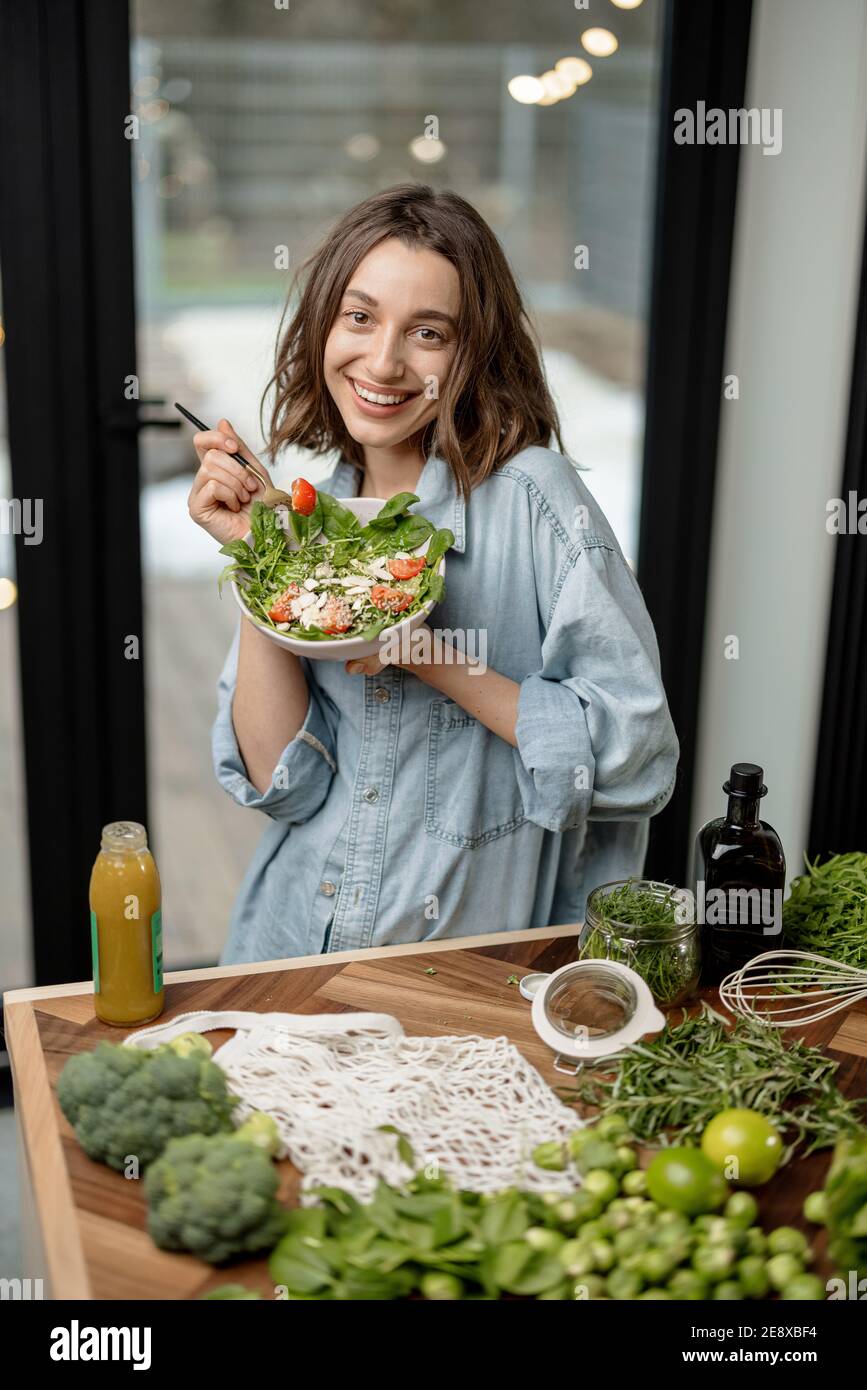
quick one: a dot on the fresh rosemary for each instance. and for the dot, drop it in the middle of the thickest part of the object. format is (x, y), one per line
(668, 1089)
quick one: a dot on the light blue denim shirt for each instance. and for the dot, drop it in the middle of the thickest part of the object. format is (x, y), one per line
(395, 816)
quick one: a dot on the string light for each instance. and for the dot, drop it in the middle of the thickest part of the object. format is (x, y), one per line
(601, 43)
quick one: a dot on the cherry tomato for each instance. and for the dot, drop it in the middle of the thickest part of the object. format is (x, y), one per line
(303, 497)
(336, 616)
(391, 600)
(279, 612)
(406, 569)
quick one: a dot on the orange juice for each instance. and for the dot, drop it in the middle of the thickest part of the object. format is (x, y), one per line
(126, 928)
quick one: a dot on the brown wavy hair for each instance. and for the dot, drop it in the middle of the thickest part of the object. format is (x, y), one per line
(495, 401)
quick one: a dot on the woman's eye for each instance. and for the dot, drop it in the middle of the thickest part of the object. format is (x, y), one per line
(429, 335)
(358, 316)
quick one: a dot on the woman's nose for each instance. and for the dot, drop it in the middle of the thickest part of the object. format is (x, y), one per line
(386, 362)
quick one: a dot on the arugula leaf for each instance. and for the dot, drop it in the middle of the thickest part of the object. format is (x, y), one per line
(240, 553)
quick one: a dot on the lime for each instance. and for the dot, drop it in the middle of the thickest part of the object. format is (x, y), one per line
(743, 1145)
(685, 1179)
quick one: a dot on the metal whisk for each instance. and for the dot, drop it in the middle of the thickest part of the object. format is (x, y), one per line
(786, 989)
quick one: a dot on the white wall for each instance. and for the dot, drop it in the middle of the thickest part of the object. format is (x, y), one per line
(798, 244)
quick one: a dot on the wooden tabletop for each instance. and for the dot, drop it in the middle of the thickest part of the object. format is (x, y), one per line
(89, 1223)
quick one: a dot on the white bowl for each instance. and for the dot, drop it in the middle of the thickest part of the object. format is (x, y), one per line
(342, 648)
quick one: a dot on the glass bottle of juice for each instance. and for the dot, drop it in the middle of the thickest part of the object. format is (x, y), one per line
(126, 928)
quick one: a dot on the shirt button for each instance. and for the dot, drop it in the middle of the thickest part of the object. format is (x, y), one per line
(328, 888)
(370, 794)
(381, 695)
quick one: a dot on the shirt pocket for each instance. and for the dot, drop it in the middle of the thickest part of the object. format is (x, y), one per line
(471, 791)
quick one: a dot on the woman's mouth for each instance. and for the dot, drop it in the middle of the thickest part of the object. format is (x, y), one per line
(377, 401)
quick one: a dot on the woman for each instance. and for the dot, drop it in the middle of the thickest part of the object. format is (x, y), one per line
(439, 798)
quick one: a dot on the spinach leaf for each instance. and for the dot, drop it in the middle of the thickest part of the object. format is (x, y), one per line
(441, 541)
(258, 512)
(394, 507)
(412, 532)
(338, 522)
(436, 588)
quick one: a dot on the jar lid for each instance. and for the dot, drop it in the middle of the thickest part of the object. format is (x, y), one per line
(529, 985)
(594, 1008)
(124, 837)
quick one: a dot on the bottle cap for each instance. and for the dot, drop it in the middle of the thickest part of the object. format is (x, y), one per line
(124, 837)
(745, 780)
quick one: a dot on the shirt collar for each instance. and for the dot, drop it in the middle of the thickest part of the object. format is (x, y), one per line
(436, 490)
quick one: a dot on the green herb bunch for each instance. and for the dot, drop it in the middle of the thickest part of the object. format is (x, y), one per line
(827, 910)
(671, 1087)
(654, 943)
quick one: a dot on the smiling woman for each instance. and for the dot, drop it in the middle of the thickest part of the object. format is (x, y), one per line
(416, 795)
(411, 298)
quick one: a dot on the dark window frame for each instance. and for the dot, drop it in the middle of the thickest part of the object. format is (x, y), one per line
(838, 820)
(705, 54)
(66, 254)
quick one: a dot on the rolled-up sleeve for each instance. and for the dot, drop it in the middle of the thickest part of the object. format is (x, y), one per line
(594, 734)
(302, 776)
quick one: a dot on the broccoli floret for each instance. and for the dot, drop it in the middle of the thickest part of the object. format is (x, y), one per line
(124, 1101)
(214, 1196)
(261, 1129)
(189, 1044)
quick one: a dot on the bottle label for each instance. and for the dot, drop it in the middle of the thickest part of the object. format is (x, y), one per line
(157, 949)
(94, 951)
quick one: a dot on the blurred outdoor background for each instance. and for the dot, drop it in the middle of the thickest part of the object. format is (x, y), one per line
(257, 134)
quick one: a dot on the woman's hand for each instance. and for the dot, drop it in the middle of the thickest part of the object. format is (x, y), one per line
(223, 489)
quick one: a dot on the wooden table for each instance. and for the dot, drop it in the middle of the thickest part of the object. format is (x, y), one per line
(84, 1224)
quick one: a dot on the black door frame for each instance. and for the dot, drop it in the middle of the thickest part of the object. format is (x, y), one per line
(705, 51)
(66, 254)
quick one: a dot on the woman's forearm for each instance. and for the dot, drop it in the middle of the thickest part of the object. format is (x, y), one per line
(486, 695)
(270, 704)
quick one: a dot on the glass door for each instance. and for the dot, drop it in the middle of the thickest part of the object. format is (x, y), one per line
(258, 127)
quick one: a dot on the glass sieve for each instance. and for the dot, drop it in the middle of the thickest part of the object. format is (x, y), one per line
(591, 1009)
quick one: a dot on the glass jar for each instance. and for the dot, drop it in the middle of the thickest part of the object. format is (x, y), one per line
(664, 950)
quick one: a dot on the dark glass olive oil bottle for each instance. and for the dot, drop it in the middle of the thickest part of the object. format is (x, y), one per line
(739, 876)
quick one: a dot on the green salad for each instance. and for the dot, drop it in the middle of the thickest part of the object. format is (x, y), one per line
(344, 579)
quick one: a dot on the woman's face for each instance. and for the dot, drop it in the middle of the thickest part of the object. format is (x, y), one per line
(393, 342)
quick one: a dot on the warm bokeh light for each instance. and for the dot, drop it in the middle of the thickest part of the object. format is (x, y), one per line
(426, 151)
(556, 85)
(362, 146)
(170, 186)
(626, 4)
(8, 593)
(146, 86)
(600, 42)
(526, 89)
(577, 70)
(153, 110)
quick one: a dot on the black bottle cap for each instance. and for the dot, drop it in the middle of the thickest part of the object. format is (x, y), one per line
(745, 780)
